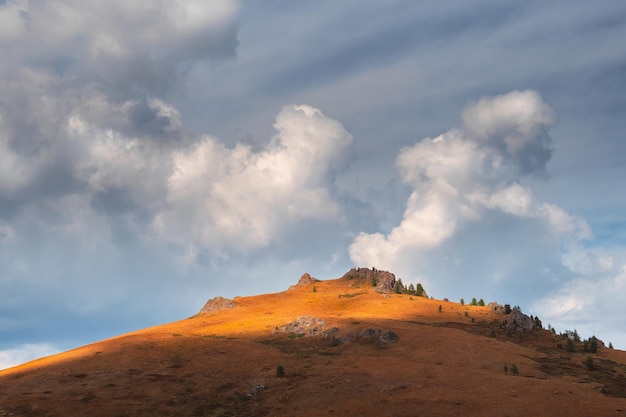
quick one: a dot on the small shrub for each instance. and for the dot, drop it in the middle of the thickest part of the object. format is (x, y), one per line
(466, 314)
(314, 289)
(280, 371)
(506, 369)
(440, 308)
(514, 370)
(493, 333)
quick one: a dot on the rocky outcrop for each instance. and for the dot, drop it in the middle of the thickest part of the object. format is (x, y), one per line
(304, 326)
(306, 279)
(518, 321)
(383, 280)
(385, 336)
(216, 304)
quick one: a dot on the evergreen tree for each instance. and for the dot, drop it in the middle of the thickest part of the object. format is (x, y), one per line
(462, 302)
(481, 302)
(474, 302)
(419, 290)
(411, 288)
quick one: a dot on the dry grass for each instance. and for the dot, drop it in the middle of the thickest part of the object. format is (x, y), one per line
(443, 364)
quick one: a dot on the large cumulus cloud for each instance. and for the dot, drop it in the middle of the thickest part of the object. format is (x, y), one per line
(241, 199)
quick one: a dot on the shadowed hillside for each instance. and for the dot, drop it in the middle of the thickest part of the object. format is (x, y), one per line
(356, 345)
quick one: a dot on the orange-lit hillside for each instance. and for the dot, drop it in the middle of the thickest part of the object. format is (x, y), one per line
(444, 361)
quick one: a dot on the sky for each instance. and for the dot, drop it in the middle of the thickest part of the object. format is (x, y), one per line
(154, 155)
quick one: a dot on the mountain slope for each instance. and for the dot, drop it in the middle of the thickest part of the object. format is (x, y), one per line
(433, 361)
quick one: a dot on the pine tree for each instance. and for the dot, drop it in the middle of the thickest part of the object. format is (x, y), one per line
(462, 302)
(419, 290)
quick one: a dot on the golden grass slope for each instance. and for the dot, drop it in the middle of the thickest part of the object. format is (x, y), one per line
(445, 363)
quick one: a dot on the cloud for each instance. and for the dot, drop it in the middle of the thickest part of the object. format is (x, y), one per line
(467, 174)
(235, 198)
(25, 353)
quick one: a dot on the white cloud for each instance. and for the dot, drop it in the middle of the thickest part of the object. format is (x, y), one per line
(235, 198)
(25, 353)
(463, 176)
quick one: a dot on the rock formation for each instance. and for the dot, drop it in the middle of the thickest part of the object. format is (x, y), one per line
(518, 321)
(385, 281)
(216, 304)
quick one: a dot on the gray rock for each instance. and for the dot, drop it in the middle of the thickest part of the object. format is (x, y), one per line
(306, 326)
(216, 304)
(518, 321)
(385, 280)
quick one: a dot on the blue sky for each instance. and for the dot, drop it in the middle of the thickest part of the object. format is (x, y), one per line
(155, 155)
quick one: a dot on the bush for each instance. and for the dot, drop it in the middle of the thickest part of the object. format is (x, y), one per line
(507, 309)
(280, 371)
(440, 308)
(514, 370)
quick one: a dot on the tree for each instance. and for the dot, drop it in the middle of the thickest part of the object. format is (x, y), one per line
(398, 287)
(411, 288)
(419, 290)
(610, 345)
(474, 302)
(507, 309)
(593, 344)
(374, 281)
(440, 308)
(462, 302)
(280, 371)
(570, 345)
(481, 302)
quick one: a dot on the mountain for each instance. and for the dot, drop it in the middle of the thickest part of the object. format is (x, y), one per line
(344, 347)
